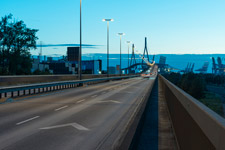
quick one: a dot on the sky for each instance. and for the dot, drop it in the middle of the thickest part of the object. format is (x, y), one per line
(171, 26)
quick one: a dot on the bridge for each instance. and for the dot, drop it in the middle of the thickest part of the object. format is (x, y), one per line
(137, 67)
(129, 112)
(117, 112)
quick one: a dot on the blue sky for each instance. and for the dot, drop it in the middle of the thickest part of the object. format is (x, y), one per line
(172, 26)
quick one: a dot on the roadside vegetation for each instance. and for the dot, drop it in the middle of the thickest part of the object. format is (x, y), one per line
(218, 80)
(213, 101)
(45, 72)
(16, 41)
(196, 86)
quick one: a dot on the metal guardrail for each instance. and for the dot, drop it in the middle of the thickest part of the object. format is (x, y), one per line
(53, 86)
(37, 79)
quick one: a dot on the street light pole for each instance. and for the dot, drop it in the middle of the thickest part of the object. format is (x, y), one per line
(120, 55)
(107, 20)
(128, 42)
(120, 34)
(80, 51)
(107, 48)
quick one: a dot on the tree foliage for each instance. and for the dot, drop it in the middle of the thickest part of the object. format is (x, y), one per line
(45, 72)
(215, 79)
(194, 84)
(16, 41)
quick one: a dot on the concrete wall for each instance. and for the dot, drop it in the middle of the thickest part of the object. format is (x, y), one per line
(196, 126)
(20, 80)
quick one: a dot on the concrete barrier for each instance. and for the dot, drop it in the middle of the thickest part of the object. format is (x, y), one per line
(196, 126)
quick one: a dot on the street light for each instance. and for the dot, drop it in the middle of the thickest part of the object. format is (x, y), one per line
(107, 20)
(128, 42)
(80, 51)
(120, 34)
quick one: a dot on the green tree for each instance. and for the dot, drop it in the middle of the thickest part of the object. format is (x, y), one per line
(197, 87)
(16, 41)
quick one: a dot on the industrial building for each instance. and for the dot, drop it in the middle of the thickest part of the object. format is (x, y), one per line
(73, 53)
(68, 65)
(37, 65)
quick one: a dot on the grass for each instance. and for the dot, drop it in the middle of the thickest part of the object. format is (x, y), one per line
(214, 102)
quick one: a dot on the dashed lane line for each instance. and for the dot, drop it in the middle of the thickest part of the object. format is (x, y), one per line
(61, 108)
(22, 122)
(81, 101)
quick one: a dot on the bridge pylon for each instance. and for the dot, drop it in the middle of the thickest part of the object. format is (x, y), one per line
(133, 60)
(145, 50)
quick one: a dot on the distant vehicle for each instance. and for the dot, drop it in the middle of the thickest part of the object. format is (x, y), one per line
(145, 75)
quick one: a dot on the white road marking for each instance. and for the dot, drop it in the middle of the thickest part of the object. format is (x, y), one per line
(81, 101)
(110, 101)
(94, 96)
(27, 120)
(115, 101)
(75, 125)
(61, 108)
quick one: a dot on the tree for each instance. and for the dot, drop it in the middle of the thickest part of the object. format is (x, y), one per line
(193, 84)
(16, 41)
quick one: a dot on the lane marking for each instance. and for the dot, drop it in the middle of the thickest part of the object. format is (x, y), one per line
(75, 125)
(129, 92)
(94, 96)
(19, 123)
(81, 101)
(115, 101)
(61, 108)
(103, 92)
(110, 101)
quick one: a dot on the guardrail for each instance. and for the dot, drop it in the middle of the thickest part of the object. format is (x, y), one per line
(33, 79)
(196, 126)
(53, 86)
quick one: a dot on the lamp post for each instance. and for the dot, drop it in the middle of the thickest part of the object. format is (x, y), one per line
(120, 34)
(128, 42)
(107, 20)
(80, 51)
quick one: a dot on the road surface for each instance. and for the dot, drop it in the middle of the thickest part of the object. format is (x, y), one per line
(91, 117)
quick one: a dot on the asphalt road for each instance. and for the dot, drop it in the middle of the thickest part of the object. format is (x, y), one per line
(91, 117)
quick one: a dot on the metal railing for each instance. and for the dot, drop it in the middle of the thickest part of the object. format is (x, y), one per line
(34, 79)
(13, 91)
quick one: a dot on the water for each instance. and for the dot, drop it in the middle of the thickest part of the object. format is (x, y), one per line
(176, 61)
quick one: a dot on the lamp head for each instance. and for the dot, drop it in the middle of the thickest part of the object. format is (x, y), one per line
(121, 34)
(107, 19)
